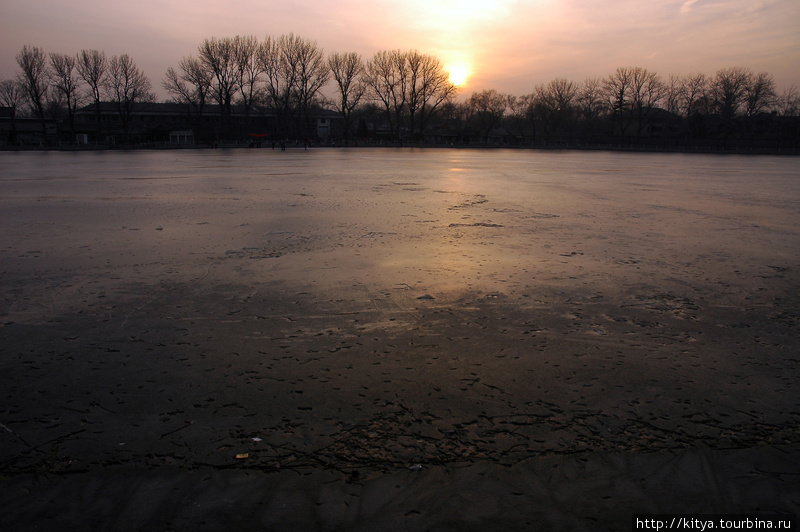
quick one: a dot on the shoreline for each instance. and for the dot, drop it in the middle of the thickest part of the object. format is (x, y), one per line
(615, 147)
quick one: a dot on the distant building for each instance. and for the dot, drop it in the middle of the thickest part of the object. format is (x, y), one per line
(176, 123)
(15, 131)
(184, 137)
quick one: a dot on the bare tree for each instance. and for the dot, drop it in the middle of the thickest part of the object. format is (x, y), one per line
(728, 89)
(127, 86)
(458, 116)
(311, 73)
(66, 82)
(555, 103)
(522, 114)
(192, 85)
(387, 76)
(34, 80)
(92, 68)
(177, 87)
(11, 96)
(631, 94)
(616, 93)
(281, 76)
(589, 103)
(562, 93)
(693, 94)
(789, 102)
(647, 90)
(347, 70)
(250, 69)
(428, 88)
(488, 107)
(590, 99)
(516, 115)
(685, 96)
(616, 90)
(218, 56)
(759, 94)
(673, 89)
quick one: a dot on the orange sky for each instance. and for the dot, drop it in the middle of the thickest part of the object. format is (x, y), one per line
(506, 45)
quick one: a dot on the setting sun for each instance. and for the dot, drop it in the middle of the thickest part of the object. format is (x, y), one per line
(458, 74)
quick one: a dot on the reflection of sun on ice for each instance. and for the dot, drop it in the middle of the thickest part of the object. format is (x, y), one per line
(458, 74)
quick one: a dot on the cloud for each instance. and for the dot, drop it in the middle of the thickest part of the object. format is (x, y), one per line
(687, 6)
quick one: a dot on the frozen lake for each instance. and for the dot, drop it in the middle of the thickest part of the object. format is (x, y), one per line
(383, 309)
(441, 221)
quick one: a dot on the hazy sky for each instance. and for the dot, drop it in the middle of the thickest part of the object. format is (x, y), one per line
(506, 45)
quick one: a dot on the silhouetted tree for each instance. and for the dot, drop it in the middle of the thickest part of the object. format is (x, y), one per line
(788, 103)
(408, 84)
(92, 68)
(616, 93)
(387, 76)
(631, 93)
(412, 89)
(347, 70)
(281, 76)
(311, 74)
(759, 97)
(555, 105)
(191, 86)
(458, 116)
(11, 96)
(34, 80)
(250, 69)
(589, 104)
(728, 89)
(218, 57)
(531, 114)
(428, 88)
(488, 109)
(693, 95)
(516, 117)
(672, 94)
(647, 89)
(759, 94)
(126, 87)
(66, 82)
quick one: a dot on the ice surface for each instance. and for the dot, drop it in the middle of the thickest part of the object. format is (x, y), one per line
(372, 309)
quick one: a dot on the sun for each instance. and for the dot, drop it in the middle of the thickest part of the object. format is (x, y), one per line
(458, 74)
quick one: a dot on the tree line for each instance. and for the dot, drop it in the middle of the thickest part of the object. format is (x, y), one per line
(626, 103)
(287, 74)
(47, 85)
(407, 91)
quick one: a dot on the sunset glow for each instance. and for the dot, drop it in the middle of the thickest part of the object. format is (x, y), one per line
(508, 45)
(462, 12)
(459, 74)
